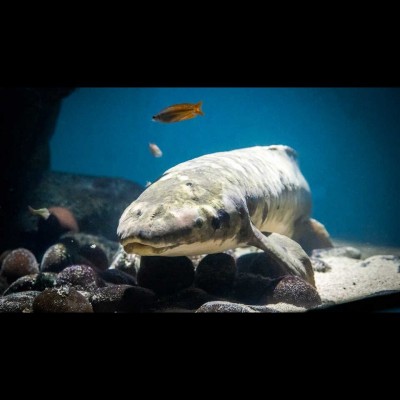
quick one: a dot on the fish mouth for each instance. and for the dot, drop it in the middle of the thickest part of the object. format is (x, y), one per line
(133, 246)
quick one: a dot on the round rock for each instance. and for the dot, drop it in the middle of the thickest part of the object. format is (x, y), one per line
(22, 284)
(252, 289)
(216, 273)
(17, 263)
(118, 277)
(108, 299)
(319, 265)
(35, 282)
(95, 255)
(18, 302)
(57, 257)
(345, 251)
(81, 277)
(165, 275)
(59, 300)
(296, 291)
(45, 280)
(190, 299)
(258, 264)
(137, 299)
(224, 307)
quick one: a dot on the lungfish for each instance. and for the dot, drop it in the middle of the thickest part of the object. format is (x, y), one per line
(253, 196)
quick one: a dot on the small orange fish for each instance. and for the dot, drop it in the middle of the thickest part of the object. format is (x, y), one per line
(179, 112)
(155, 150)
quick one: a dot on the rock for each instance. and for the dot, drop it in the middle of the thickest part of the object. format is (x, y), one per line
(58, 257)
(17, 263)
(45, 280)
(224, 306)
(81, 277)
(381, 261)
(96, 202)
(345, 251)
(23, 284)
(36, 282)
(190, 298)
(86, 295)
(95, 255)
(27, 122)
(108, 299)
(296, 291)
(118, 277)
(3, 255)
(258, 264)
(216, 273)
(264, 309)
(18, 302)
(286, 257)
(137, 299)
(252, 289)
(62, 299)
(85, 240)
(319, 265)
(165, 275)
(3, 284)
(125, 262)
(285, 308)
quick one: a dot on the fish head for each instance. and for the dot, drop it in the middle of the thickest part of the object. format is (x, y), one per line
(180, 217)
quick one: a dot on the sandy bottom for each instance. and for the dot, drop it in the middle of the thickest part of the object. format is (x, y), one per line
(351, 279)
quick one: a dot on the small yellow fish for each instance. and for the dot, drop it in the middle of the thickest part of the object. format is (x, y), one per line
(155, 150)
(179, 112)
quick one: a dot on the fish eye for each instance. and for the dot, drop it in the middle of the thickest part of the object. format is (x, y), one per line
(199, 222)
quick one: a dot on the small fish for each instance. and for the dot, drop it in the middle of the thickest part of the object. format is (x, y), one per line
(155, 150)
(179, 112)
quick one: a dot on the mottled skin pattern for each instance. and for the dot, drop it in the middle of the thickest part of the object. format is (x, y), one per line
(222, 201)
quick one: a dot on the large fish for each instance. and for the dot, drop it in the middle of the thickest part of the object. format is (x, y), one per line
(225, 200)
(179, 112)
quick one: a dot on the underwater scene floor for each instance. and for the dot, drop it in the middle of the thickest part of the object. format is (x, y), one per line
(88, 273)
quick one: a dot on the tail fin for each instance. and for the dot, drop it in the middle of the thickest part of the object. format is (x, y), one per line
(198, 108)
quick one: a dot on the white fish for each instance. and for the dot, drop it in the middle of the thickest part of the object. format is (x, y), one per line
(155, 150)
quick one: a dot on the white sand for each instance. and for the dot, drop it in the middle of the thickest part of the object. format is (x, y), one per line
(349, 280)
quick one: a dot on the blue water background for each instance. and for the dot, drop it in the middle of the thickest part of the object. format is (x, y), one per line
(347, 139)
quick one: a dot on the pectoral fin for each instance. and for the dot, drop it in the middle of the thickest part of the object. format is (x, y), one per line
(284, 252)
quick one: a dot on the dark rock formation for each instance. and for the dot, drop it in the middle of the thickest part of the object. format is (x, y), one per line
(18, 302)
(216, 273)
(27, 122)
(63, 299)
(165, 275)
(96, 202)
